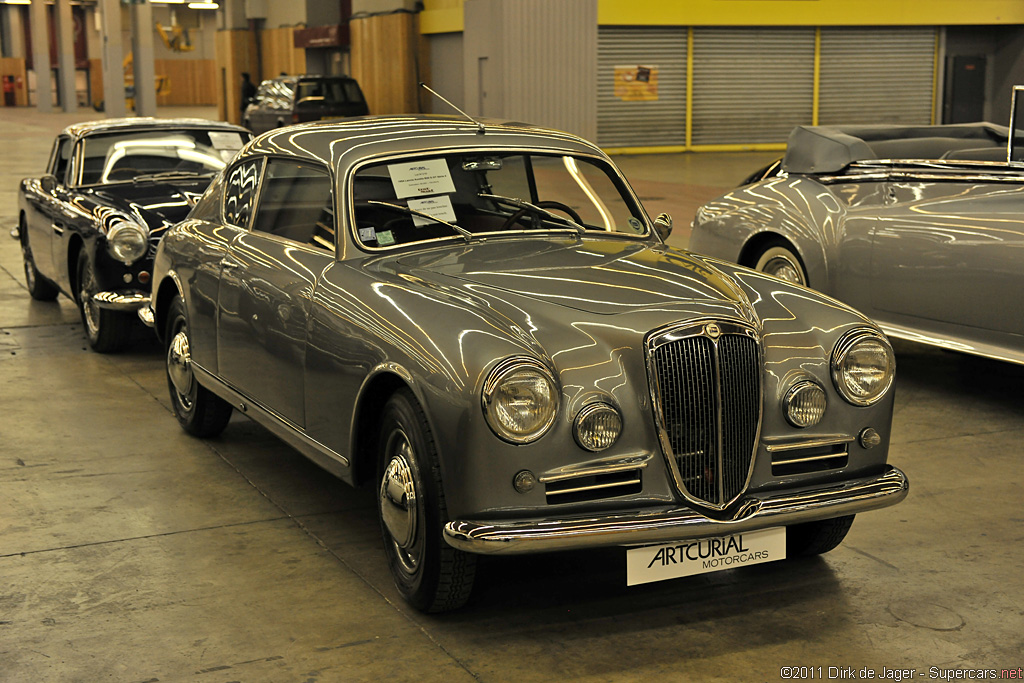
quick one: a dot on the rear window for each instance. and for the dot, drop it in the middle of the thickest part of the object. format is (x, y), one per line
(331, 91)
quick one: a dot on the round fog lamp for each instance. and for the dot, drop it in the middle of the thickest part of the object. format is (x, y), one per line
(597, 426)
(804, 404)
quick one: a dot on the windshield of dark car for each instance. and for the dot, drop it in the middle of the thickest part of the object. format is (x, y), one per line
(125, 155)
(415, 199)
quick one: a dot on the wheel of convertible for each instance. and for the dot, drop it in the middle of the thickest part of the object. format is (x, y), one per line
(550, 206)
(431, 575)
(816, 538)
(199, 411)
(778, 258)
(39, 288)
(106, 330)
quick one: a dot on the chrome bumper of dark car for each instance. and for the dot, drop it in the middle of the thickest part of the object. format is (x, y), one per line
(125, 300)
(778, 508)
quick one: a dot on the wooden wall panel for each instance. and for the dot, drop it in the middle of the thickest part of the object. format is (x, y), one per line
(192, 81)
(236, 53)
(280, 54)
(390, 85)
(15, 67)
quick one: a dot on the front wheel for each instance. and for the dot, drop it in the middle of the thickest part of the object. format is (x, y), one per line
(816, 538)
(106, 330)
(200, 412)
(778, 259)
(431, 575)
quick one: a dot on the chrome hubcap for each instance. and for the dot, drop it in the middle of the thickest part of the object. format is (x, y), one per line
(90, 310)
(179, 368)
(398, 502)
(784, 269)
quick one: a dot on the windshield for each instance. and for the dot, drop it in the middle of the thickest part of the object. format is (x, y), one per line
(329, 90)
(124, 156)
(459, 196)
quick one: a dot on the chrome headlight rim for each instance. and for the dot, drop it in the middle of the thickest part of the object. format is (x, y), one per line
(503, 372)
(592, 411)
(119, 246)
(847, 343)
(795, 392)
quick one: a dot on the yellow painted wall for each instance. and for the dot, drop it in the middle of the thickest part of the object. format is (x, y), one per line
(445, 16)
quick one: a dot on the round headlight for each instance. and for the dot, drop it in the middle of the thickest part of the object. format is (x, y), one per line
(520, 400)
(127, 241)
(863, 367)
(804, 404)
(597, 426)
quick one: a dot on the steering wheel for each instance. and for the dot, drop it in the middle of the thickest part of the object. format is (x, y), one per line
(558, 206)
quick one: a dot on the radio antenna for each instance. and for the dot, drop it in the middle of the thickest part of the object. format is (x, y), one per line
(480, 126)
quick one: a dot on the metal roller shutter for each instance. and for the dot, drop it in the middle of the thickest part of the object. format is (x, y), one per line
(642, 123)
(751, 85)
(876, 75)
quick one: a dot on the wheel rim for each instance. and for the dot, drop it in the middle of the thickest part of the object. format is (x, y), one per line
(90, 309)
(781, 263)
(179, 369)
(399, 503)
(30, 268)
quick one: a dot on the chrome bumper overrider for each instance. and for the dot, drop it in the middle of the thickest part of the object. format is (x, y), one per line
(777, 508)
(127, 300)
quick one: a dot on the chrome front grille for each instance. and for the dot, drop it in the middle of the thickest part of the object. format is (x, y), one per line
(706, 385)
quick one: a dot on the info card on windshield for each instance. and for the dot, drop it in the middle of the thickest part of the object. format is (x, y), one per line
(421, 178)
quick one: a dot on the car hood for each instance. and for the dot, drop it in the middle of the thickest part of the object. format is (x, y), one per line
(155, 204)
(594, 275)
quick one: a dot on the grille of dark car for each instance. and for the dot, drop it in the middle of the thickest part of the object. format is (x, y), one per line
(706, 381)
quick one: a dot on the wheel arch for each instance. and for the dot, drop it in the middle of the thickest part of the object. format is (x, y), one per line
(75, 246)
(162, 296)
(814, 263)
(376, 391)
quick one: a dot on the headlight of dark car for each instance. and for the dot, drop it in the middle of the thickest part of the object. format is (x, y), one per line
(520, 400)
(127, 241)
(863, 366)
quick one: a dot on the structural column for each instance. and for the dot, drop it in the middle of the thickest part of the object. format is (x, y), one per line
(41, 56)
(113, 56)
(142, 51)
(66, 56)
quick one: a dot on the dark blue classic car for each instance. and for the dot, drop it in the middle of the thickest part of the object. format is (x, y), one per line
(480, 320)
(90, 225)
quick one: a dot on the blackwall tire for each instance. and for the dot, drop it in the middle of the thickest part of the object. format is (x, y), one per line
(107, 331)
(39, 288)
(431, 575)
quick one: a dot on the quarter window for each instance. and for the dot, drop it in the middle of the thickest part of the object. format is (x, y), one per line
(241, 192)
(61, 159)
(295, 203)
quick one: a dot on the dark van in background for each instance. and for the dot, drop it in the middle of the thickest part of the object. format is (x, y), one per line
(295, 99)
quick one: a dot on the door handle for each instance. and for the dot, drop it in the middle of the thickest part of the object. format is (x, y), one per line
(229, 264)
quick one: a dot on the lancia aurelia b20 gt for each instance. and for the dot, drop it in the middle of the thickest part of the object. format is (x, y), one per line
(480, 320)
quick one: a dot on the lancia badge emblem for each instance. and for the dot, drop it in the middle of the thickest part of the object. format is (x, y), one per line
(713, 330)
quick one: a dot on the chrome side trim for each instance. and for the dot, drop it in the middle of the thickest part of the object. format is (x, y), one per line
(595, 467)
(667, 524)
(282, 428)
(596, 487)
(810, 458)
(126, 300)
(809, 443)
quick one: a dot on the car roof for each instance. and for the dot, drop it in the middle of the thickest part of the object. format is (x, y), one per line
(145, 123)
(344, 142)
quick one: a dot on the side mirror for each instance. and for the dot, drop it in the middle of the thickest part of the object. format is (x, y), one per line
(48, 183)
(663, 226)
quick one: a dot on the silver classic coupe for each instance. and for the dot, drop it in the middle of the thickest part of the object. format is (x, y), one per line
(479, 319)
(921, 228)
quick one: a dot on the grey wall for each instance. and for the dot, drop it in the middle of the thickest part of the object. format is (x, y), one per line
(446, 72)
(532, 60)
(1003, 48)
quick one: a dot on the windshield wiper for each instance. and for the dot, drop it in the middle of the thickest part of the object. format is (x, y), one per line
(434, 219)
(521, 204)
(172, 175)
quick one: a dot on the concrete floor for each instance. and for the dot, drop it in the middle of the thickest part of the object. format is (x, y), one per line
(132, 552)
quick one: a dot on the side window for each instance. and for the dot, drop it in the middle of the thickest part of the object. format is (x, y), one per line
(61, 159)
(295, 203)
(240, 192)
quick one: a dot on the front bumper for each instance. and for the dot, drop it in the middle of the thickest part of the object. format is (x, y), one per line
(123, 300)
(665, 525)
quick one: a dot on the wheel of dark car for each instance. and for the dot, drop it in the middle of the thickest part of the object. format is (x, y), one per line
(199, 411)
(106, 330)
(430, 574)
(39, 288)
(549, 205)
(779, 260)
(816, 538)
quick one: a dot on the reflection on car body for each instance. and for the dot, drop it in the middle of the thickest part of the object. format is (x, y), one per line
(90, 225)
(918, 227)
(489, 330)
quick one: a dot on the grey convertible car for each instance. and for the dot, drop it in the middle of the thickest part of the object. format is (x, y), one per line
(920, 228)
(479, 319)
